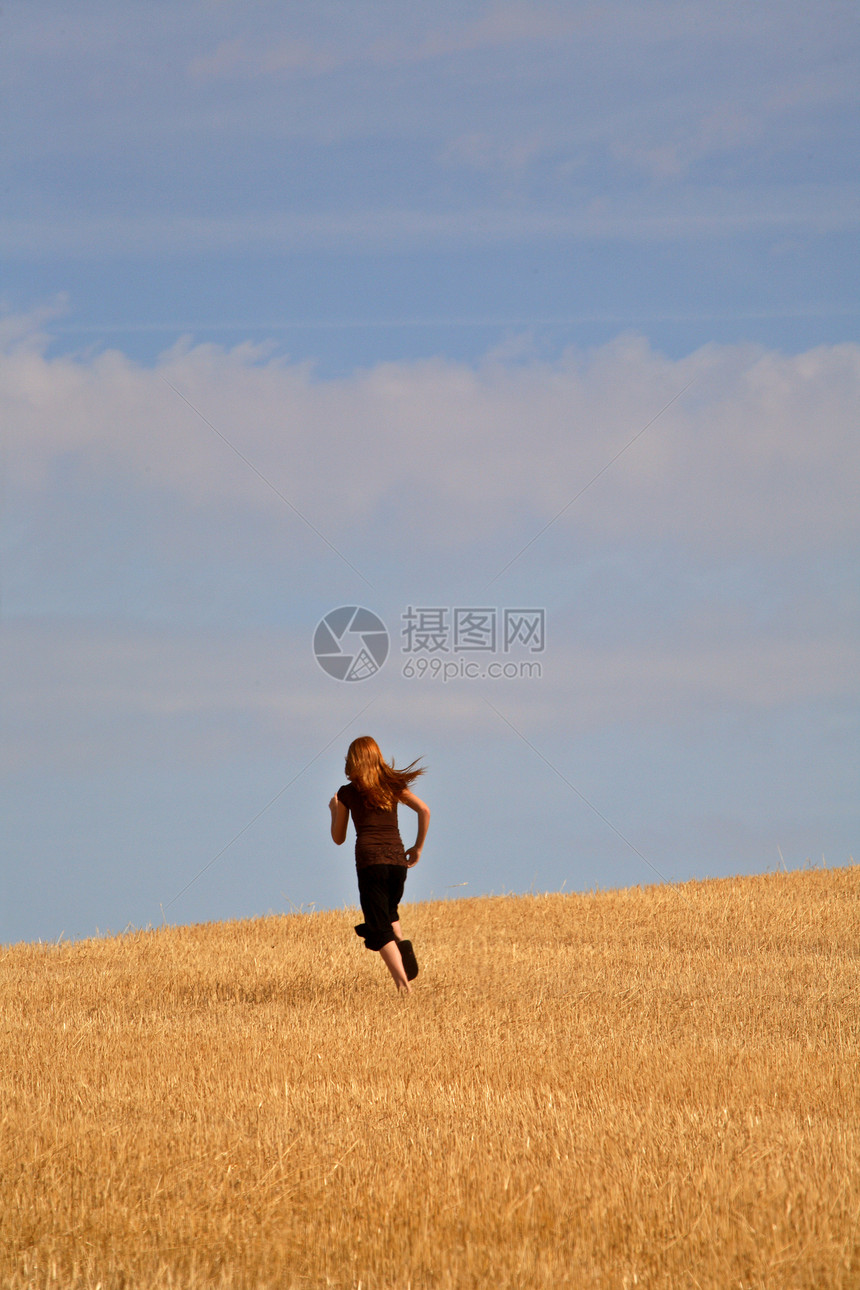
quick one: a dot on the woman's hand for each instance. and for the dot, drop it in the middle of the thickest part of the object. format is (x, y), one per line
(413, 855)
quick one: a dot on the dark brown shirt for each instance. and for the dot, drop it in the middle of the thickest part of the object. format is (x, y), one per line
(377, 837)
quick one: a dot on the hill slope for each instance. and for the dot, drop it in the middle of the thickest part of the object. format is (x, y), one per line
(647, 1087)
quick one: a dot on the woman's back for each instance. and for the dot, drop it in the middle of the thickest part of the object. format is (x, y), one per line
(377, 838)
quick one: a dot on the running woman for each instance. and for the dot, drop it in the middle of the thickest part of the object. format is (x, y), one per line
(371, 797)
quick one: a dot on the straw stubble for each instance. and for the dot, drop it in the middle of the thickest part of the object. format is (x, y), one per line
(649, 1087)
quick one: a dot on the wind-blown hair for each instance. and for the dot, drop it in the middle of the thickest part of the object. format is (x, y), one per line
(380, 783)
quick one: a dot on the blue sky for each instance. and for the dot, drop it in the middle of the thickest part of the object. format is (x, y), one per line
(318, 305)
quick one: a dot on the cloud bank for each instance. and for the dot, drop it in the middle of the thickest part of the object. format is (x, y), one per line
(158, 582)
(758, 454)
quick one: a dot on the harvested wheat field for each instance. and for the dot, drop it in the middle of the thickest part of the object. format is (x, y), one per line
(651, 1087)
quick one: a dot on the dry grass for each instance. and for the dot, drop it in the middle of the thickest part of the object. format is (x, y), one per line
(650, 1087)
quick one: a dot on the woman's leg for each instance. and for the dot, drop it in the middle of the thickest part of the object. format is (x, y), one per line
(396, 883)
(392, 960)
(375, 890)
(407, 954)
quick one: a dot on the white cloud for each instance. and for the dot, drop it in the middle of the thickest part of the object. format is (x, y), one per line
(391, 40)
(441, 464)
(235, 58)
(759, 455)
(481, 151)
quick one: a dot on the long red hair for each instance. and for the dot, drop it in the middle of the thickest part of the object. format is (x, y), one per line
(375, 778)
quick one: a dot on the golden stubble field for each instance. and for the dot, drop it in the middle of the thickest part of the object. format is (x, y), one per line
(651, 1087)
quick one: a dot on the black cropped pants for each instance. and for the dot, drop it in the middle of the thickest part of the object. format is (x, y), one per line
(380, 890)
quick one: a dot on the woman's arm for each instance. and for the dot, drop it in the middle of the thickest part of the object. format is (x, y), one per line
(413, 854)
(339, 820)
